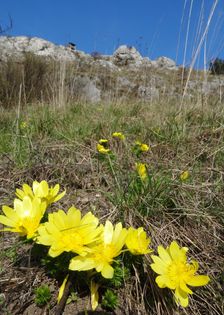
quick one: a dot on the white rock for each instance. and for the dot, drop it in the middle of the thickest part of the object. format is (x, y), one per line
(148, 93)
(126, 55)
(86, 89)
(16, 47)
(167, 63)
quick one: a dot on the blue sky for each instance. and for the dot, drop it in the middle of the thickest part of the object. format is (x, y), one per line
(152, 26)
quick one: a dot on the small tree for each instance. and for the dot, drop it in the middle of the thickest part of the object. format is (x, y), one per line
(216, 66)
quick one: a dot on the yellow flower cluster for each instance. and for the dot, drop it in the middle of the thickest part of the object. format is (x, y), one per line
(42, 191)
(96, 246)
(24, 218)
(102, 145)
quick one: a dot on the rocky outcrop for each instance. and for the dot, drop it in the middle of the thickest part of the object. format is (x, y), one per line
(96, 77)
(16, 47)
(165, 63)
(126, 55)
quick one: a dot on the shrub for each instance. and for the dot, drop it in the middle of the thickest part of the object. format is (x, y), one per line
(216, 66)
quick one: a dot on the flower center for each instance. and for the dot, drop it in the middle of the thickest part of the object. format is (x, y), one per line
(72, 240)
(178, 271)
(105, 253)
(26, 213)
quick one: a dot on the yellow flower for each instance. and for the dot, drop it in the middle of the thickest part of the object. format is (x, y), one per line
(176, 273)
(103, 141)
(69, 232)
(185, 175)
(62, 289)
(103, 254)
(142, 146)
(94, 294)
(25, 217)
(102, 149)
(137, 241)
(142, 170)
(118, 135)
(41, 190)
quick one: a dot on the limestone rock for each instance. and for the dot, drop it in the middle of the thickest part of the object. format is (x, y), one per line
(126, 55)
(86, 89)
(167, 63)
(96, 77)
(107, 65)
(16, 47)
(148, 93)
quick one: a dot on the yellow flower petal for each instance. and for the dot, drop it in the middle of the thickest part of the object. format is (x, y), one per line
(62, 289)
(198, 280)
(20, 193)
(55, 189)
(181, 297)
(81, 263)
(10, 213)
(6, 221)
(164, 281)
(58, 197)
(159, 265)
(185, 288)
(55, 252)
(94, 294)
(107, 271)
(27, 190)
(174, 250)
(164, 254)
(108, 232)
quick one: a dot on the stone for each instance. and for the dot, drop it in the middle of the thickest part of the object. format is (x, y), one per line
(107, 64)
(16, 47)
(126, 55)
(148, 93)
(167, 63)
(86, 89)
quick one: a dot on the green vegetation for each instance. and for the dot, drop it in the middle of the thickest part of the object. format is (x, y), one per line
(42, 295)
(110, 300)
(217, 66)
(40, 141)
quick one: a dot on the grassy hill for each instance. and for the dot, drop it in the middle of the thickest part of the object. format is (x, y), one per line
(54, 136)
